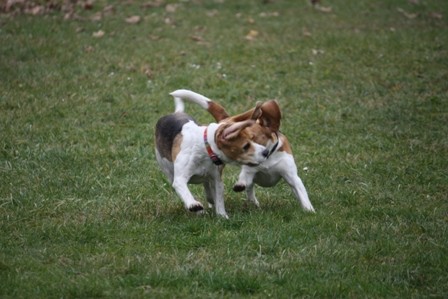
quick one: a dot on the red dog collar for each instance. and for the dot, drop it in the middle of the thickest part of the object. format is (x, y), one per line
(215, 159)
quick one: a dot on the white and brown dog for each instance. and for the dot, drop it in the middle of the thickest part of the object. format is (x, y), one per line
(190, 153)
(280, 161)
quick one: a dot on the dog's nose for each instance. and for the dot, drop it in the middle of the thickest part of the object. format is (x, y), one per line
(265, 153)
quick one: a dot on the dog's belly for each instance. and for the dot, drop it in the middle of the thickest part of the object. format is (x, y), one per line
(167, 167)
(266, 179)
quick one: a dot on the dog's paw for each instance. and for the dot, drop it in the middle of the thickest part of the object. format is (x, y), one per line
(239, 187)
(223, 216)
(196, 207)
(310, 209)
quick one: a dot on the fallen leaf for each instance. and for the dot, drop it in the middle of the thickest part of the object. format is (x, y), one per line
(89, 49)
(252, 35)
(108, 10)
(269, 14)
(98, 34)
(306, 32)
(154, 37)
(88, 4)
(146, 69)
(407, 14)
(36, 10)
(171, 8)
(436, 15)
(97, 17)
(317, 51)
(325, 9)
(212, 13)
(197, 38)
(133, 20)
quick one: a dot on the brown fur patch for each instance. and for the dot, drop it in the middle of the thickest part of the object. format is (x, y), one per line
(176, 146)
(286, 147)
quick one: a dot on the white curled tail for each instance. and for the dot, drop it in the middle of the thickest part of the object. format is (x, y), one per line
(184, 94)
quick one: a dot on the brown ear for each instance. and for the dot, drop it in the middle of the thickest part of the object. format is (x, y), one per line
(234, 129)
(253, 114)
(271, 115)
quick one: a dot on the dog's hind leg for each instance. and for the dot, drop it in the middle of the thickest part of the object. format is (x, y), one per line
(219, 199)
(209, 193)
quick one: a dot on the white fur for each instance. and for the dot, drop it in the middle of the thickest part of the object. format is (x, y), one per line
(184, 94)
(278, 165)
(193, 165)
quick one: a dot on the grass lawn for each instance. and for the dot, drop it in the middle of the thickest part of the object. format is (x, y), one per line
(85, 211)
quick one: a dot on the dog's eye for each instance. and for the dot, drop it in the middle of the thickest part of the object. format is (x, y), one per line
(246, 147)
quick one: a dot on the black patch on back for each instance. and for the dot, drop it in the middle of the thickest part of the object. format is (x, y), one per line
(166, 130)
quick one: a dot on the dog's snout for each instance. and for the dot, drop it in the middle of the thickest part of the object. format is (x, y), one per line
(265, 153)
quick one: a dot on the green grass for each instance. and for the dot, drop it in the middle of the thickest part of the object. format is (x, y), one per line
(85, 211)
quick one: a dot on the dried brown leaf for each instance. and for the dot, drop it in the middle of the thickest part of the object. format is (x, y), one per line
(306, 32)
(98, 34)
(325, 9)
(436, 15)
(133, 20)
(171, 8)
(407, 14)
(88, 4)
(269, 14)
(36, 10)
(108, 10)
(146, 69)
(97, 17)
(252, 35)
(89, 49)
(212, 13)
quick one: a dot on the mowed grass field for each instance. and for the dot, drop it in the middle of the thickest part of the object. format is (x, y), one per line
(85, 211)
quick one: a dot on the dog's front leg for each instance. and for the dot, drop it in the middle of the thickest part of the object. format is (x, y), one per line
(245, 178)
(246, 182)
(181, 187)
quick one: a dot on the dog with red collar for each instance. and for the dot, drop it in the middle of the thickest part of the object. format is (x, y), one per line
(189, 153)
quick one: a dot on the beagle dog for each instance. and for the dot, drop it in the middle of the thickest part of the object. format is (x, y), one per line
(190, 153)
(280, 161)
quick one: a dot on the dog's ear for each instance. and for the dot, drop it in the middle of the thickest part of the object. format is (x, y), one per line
(253, 114)
(234, 129)
(270, 115)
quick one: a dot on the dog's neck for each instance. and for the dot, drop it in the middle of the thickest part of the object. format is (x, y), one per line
(275, 146)
(209, 140)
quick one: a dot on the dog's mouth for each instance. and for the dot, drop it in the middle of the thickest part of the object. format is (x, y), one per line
(252, 164)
